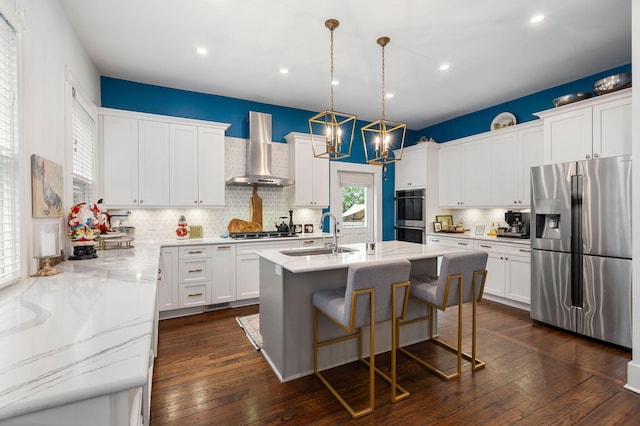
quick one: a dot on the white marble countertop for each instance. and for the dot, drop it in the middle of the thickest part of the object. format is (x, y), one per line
(79, 334)
(470, 235)
(175, 242)
(386, 250)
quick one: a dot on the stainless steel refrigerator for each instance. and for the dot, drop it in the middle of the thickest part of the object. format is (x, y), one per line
(581, 247)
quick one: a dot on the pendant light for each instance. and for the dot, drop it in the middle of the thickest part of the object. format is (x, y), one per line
(332, 131)
(382, 136)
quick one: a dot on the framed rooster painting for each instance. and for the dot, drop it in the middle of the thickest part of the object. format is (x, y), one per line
(47, 185)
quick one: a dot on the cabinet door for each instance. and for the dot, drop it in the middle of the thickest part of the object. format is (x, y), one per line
(568, 136)
(167, 293)
(184, 165)
(320, 182)
(120, 141)
(495, 275)
(505, 170)
(532, 154)
(304, 166)
(612, 128)
(211, 175)
(411, 171)
(224, 274)
(475, 181)
(518, 284)
(153, 163)
(449, 177)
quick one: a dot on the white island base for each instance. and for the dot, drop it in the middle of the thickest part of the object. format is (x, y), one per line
(286, 313)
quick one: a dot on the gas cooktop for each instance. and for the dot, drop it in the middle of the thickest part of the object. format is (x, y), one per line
(259, 235)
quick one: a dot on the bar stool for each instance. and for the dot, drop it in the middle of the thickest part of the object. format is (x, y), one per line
(449, 289)
(375, 292)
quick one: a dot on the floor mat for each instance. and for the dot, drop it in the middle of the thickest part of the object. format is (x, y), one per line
(251, 326)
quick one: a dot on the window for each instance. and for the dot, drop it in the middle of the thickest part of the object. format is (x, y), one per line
(83, 127)
(10, 268)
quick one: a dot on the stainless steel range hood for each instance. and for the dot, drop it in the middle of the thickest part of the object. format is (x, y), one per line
(258, 168)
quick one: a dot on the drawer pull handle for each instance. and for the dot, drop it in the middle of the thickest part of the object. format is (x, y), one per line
(485, 246)
(195, 251)
(436, 241)
(309, 242)
(463, 244)
(195, 294)
(224, 247)
(525, 250)
(195, 270)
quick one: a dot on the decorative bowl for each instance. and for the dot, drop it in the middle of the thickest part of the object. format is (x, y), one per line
(612, 83)
(573, 97)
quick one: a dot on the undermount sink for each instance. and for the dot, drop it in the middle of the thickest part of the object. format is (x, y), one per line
(312, 251)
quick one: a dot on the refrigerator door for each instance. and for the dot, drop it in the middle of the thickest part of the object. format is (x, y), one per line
(606, 313)
(551, 289)
(551, 206)
(606, 207)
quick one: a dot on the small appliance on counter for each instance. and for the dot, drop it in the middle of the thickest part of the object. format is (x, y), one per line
(518, 225)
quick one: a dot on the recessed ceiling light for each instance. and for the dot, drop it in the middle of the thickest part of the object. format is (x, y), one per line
(201, 50)
(334, 82)
(389, 95)
(536, 19)
(444, 67)
(284, 71)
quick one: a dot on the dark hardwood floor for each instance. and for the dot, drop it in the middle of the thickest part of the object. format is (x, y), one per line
(207, 373)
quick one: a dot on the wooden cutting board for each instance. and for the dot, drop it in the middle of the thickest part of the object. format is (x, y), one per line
(255, 208)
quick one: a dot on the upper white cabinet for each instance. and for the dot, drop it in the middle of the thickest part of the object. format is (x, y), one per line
(593, 128)
(311, 175)
(490, 169)
(196, 166)
(411, 170)
(136, 161)
(158, 161)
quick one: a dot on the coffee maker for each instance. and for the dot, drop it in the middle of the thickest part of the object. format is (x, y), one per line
(518, 225)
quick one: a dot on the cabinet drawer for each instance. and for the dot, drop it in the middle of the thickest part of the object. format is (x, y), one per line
(194, 270)
(460, 243)
(250, 248)
(195, 252)
(315, 242)
(194, 294)
(503, 248)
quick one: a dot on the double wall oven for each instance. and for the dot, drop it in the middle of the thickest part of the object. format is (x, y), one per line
(410, 215)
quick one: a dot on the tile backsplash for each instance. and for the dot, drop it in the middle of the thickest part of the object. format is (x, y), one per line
(473, 217)
(153, 224)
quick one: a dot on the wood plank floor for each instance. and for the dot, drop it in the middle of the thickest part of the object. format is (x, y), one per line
(207, 373)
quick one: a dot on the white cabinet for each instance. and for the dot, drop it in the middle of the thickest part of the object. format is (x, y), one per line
(196, 166)
(508, 271)
(248, 266)
(593, 128)
(136, 162)
(464, 177)
(167, 292)
(310, 174)
(224, 273)
(512, 156)
(157, 161)
(411, 170)
(194, 276)
(453, 242)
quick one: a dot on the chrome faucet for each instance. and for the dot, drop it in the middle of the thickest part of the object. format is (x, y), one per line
(333, 245)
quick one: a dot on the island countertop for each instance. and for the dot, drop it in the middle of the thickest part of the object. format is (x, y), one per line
(80, 334)
(385, 250)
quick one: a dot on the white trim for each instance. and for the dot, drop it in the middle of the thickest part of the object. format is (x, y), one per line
(338, 166)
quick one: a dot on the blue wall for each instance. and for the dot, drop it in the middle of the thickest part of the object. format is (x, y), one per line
(127, 95)
(523, 108)
(131, 96)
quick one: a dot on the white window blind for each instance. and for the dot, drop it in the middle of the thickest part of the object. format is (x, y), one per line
(9, 172)
(84, 141)
(355, 179)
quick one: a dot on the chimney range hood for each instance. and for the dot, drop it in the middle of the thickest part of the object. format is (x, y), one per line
(258, 167)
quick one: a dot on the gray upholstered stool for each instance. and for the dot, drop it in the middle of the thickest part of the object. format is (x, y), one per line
(375, 292)
(459, 282)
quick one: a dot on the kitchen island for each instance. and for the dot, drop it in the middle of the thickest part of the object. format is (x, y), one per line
(77, 347)
(286, 314)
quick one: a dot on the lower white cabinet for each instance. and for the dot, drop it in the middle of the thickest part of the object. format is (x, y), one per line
(194, 276)
(167, 291)
(224, 273)
(508, 271)
(454, 242)
(248, 266)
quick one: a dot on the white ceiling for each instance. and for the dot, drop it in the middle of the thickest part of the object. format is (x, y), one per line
(495, 53)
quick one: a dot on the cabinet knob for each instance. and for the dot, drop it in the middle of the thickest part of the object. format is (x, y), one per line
(135, 201)
(195, 202)
(588, 156)
(200, 201)
(596, 155)
(515, 202)
(141, 201)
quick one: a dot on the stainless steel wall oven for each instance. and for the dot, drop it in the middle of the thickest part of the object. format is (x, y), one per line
(410, 215)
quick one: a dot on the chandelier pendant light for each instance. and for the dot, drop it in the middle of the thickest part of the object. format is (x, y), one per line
(383, 136)
(332, 131)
